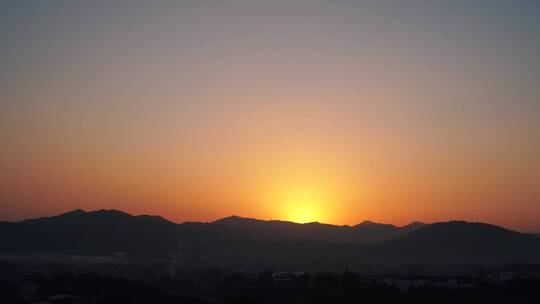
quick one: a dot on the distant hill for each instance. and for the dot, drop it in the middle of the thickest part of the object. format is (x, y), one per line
(97, 232)
(365, 233)
(460, 241)
(371, 232)
(242, 242)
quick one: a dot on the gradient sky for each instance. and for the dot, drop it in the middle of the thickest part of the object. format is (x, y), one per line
(331, 111)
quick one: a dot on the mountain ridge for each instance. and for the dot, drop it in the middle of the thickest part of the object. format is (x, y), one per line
(80, 211)
(241, 241)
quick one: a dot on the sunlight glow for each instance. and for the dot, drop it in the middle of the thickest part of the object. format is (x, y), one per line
(303, 187)
(304, 207)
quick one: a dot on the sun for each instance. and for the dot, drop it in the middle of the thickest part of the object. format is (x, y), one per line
(302, 194)
(303, 207)
(303, 214)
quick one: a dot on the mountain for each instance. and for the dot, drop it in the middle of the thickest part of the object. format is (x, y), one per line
(365, 233)
(460, 241)
(260, 230)
(243, 242)
(235, 220)
(412, 226)
(96, 232)
(372, 233)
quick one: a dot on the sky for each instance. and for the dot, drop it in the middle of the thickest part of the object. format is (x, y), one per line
(330, 111)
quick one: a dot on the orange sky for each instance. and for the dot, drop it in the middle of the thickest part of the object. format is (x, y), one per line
(335, 112)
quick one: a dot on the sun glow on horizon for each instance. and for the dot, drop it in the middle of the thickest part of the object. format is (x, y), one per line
(304, 207)
(305, 187)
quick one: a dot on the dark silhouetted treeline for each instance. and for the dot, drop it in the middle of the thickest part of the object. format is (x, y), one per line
(23, 284)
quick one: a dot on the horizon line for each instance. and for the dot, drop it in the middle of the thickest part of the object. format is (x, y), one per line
(369, 222)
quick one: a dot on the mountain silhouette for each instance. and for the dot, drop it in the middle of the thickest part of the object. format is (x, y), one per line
(257, 243)
(365, 233)
(96, 232)
(372, 232)
(460, 241)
